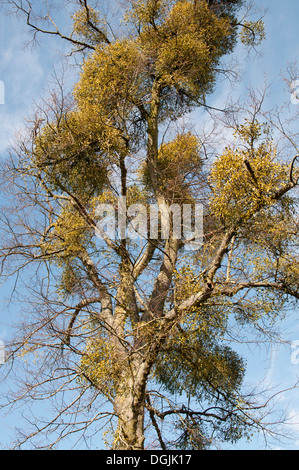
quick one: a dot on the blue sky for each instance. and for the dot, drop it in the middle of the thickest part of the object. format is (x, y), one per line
(26, 73)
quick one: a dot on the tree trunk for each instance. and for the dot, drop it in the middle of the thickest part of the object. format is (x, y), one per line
(129, 405)
(130, 430)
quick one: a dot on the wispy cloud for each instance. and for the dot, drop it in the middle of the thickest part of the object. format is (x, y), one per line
(24, 72)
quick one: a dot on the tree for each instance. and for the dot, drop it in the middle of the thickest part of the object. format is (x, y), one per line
(141, 324)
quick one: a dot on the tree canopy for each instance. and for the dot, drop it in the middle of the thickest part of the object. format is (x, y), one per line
(130, 335)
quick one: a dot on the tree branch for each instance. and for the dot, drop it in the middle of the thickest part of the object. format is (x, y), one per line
(84, 303)
(56, 32)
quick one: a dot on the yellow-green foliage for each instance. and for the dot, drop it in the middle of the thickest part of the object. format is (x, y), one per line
(209, 321)
(183, 41)
(238, 191)
(178, 161)
(252, 33)
(144, 12)
(70, 282)
(194, 360)
(136, 195)
(69, 235)
(100, 366)
(70, 157)
(178, 44)
(112, 80)
(88, 26)
(193, 353)
(185, 281)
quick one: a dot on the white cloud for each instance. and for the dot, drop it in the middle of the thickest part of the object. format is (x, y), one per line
(25, 72)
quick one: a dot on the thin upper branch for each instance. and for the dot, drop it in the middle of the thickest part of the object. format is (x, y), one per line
(56, 32)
